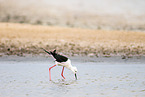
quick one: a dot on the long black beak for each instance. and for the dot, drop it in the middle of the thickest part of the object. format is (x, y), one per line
(76, 76)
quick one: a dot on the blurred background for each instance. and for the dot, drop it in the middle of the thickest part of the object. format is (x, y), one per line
(94, 14)
(105, 39)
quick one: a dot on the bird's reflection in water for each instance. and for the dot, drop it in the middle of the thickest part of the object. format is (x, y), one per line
(62, 82)
(62, 86)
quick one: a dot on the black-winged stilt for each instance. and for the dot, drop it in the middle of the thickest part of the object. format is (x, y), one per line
(61, 60)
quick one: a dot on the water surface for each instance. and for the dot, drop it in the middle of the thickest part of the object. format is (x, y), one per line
(22, 78)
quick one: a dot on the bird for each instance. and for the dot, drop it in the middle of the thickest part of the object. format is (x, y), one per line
(61, 60)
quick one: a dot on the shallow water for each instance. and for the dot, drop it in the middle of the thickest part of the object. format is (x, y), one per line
(95, 79)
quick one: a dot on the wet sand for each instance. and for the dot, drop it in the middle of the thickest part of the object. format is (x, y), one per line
(103, 77)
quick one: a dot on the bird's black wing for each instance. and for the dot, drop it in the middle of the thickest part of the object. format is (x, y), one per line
(60, 58)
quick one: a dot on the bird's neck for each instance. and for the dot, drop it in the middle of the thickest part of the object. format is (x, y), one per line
(72, 69)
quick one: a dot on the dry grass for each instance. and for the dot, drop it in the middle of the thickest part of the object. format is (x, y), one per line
(21, 39)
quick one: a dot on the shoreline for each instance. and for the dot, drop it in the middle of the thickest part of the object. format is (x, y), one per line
(82, 59)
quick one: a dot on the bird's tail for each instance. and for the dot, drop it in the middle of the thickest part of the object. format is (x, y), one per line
(46, 51)
(50, 52)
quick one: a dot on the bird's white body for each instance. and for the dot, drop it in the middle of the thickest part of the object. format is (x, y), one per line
(68, 65)
(61, 60)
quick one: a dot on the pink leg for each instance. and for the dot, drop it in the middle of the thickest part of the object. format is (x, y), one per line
(50, 72)
(62, 72)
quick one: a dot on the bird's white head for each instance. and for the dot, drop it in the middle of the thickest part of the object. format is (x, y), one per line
(74, 69)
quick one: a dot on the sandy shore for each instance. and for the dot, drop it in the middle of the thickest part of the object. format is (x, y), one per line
(23, 39)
